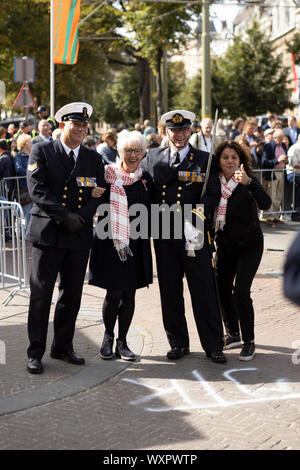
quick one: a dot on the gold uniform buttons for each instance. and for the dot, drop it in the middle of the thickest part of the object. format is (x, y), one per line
(177, 202)
(65, 196)
(178, 195)
(66, 188)
(163, 201)
(79, 206)
(80, 199)
(163, 193)
(80, 190)
(164, 186)
(179, 188)
(63, 203)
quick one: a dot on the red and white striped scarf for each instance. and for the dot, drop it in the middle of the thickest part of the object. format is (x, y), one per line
(117, 177)
(227, 188)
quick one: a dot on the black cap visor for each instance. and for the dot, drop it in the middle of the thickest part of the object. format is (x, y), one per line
(76, 117)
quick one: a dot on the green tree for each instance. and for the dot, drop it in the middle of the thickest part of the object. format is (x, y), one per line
(156, 28)
(118, 101)
(250, 79)
(21, 34)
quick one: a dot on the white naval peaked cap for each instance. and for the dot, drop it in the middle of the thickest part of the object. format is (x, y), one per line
(80, 112)
(178, 118)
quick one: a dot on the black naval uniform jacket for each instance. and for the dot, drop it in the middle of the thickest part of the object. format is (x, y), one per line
(54, 191)
(168, 189)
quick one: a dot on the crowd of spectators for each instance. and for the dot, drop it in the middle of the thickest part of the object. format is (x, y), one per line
(273, 147)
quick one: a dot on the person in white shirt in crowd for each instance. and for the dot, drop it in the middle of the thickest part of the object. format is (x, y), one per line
(202, 140)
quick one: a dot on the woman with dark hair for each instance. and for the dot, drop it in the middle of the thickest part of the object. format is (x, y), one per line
(239, 242)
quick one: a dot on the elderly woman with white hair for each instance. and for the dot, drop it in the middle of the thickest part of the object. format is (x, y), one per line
(120, 262)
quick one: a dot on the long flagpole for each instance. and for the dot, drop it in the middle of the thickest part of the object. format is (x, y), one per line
(52, 74)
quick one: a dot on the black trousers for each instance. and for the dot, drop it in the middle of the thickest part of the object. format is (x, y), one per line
(118, 304)
(47, 263)
(172, 264)
(237, 266)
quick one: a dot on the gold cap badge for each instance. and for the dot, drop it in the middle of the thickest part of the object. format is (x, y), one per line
(177, 118)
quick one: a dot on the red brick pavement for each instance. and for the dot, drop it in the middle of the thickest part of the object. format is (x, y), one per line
(159, 404)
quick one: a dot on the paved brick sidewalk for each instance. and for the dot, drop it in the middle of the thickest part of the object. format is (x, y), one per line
(155, 403)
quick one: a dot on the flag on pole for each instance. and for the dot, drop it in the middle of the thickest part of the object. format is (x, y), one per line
(65, 31)
(294, 73)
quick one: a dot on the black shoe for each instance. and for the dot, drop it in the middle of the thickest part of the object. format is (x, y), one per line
(7, 236)
(106, 351)
(69, 356)
(177, 353)
(123, 351)
(217, 356)
(248, 352)
(232, 340)
(34, 366)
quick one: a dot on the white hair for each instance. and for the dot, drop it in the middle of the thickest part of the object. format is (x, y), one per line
(206, 121)
(126, 137)
(56, 133)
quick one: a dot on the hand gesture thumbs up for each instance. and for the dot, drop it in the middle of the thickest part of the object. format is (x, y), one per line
(242, 176)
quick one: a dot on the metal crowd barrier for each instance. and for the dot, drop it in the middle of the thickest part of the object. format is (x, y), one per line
(10, 188)
(287, 205)
(13, 261)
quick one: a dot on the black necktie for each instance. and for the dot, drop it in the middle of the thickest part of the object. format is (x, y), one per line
(71, 158)
(177, 159)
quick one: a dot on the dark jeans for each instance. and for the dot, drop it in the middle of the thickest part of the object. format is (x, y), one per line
(237, 266)
(118, 304)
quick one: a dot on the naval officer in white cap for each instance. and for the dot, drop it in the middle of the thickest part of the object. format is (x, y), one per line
(64, 180)
(178, 173)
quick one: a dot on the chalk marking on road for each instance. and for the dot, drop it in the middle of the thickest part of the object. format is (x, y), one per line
(282, 385)
(182, 393)
(209, 389)
(150, 397)
(218, 401)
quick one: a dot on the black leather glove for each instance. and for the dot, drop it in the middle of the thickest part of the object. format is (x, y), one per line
(73, 222)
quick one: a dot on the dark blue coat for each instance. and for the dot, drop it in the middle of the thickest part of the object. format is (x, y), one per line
(55, 193)
(7, 170)
(21, 162)
(268, 159)
(169, 189)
